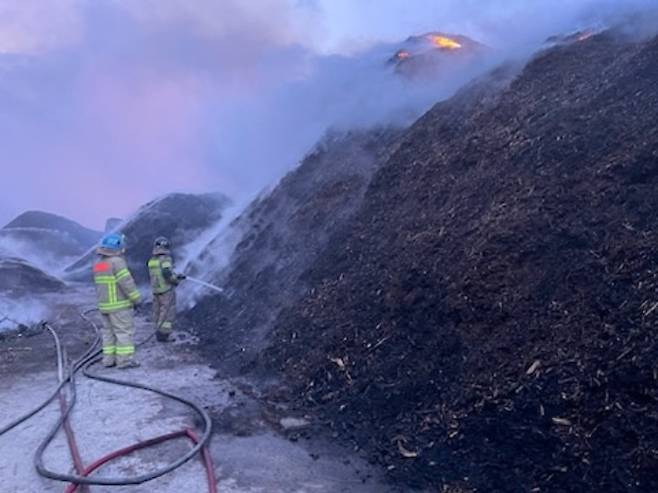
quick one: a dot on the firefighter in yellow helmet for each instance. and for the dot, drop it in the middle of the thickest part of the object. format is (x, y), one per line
(163, 284)
(117, 295)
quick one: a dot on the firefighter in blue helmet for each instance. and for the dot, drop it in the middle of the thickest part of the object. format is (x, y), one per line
(164, 280)
(117, 295)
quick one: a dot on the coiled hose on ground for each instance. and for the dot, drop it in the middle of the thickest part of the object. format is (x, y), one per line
(76, 365)
(84, 362)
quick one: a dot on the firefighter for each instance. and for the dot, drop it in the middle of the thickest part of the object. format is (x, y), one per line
(117, 297)
(163, 284)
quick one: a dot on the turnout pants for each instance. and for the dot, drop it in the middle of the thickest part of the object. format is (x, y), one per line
(164, 311)
(118, 331)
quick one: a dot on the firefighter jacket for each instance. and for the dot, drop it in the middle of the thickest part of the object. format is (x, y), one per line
(161, 271)
(115, 286)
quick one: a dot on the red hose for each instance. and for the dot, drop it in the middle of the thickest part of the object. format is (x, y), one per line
(207, 462)
(73, 445)
(75, 451)
(206, 457)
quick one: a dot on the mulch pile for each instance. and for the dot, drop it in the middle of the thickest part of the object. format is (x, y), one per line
(180, 217)
(18, 277)
(489, 318)
(276, 239)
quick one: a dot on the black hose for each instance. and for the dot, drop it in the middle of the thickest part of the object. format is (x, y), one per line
(53, 395)
(77, 364)
(86, 363)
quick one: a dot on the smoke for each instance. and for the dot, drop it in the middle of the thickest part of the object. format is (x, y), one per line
(209, 253)
(117, 111)
(109, 104)
(505, 24)
(49, 250)
(14, 313)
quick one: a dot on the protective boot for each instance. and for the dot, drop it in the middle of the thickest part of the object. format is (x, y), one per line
(128, 364)
(108, 361)
(162, 337)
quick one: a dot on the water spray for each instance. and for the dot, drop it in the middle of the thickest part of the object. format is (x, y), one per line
(205, 284)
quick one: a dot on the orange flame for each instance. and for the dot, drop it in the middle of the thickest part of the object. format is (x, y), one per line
(445, 43)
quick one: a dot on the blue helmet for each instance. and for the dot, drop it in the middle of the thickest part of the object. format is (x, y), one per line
(113, 241)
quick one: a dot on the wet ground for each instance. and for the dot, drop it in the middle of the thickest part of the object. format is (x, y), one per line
(249, 449)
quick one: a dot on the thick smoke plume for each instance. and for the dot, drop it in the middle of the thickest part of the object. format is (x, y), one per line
(106, 105)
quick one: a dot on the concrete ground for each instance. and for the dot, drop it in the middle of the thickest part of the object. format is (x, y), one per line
(250, 453)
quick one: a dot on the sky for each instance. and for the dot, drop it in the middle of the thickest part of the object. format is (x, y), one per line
(106, 104)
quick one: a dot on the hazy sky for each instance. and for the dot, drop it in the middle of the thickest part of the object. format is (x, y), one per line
(105, 104)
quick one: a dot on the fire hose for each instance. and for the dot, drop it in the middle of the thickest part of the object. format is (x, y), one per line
(76, 365)
(81, 479)
(212, 483)
(61, 360)
(90, 357)
(168, 305)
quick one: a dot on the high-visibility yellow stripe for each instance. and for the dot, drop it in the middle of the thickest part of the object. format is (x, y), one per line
(112, 299)
(160, 284)
(105, 280)
(109, 349)
(122, 303)
(118, 305)
(125, 350)
(112, 293)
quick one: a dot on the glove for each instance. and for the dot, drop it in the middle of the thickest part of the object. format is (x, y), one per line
(181, 277)
(138, 307)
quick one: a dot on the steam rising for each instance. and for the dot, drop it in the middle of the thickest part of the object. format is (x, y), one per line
(21, 312)
(51, 261)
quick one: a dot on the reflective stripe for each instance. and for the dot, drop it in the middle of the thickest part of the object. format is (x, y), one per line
(109, 349)
(111, 283)
(167, 325)
(105, 279)
(112, 293)
(125, 350)
(159, 284)
(116, 306)
(110, 288)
